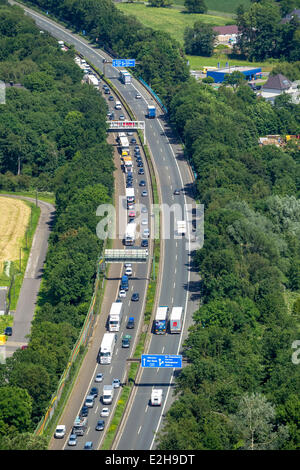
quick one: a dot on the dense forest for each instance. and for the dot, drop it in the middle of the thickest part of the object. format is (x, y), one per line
(240, 347)
(53, 133)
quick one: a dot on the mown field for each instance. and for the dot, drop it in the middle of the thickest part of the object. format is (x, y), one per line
(225, 6)
(169, 20)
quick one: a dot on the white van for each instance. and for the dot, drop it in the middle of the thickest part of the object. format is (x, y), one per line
(118, 105)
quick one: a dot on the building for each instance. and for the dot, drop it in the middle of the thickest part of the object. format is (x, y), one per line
(294, 14)
(278, 84)
(226, 34)
(219, 74)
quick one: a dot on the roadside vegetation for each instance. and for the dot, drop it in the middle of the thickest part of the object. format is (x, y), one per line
(53, 138)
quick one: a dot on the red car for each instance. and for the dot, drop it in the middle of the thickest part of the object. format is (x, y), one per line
(131, 214)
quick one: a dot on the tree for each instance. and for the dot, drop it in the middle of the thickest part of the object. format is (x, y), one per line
(199, 40)
(160, 3)
(195, 6)
(235, 78)
(15, 409)
(255, 421)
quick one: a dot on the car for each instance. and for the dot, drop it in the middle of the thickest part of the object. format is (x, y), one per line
(119, 300)
(89, 401)
(144, 222)
(94, 392)
(146, 233)
(112, 116)
(128, 271)
(111, 98)
(176, 192)
(135, 297)
(129, 133)
(131, 214)
(99, 377)
(129, 184)
(84, 411)
(121, 117)
(72, 440)
(144, 210)
(138, 96)
(116, 383)
(88, 446)
(104, 86)
(142, 183)
(107, 91)
(140, 164)
(122, 293)
(8, 331)
(126, 341)
(141, 171)
(60, 431)
(144, 243)
(130, 323)
(133, 140)
(136, 148)
(131, 220)
(144, 193)
(100, 425)
(104, 412)
(128, 265)
(25, 346)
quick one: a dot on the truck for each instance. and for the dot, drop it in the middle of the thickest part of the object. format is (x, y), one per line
(160, 322)
(156, 397)
(124, 280)
(107, 348)
(124, 143)
(130, 233)
(130, 197)
(115, 316)
(79, 426)
(125, 77)
(176, 320)
(181, 227)
(151, 111)
(108, 394)
(92, 80)
(127, 163)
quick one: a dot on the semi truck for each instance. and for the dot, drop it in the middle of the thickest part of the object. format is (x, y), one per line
(124, 143)
(108, 394)
(181, 227)
(115, 316)
(130, 233)
(125, 77)
(176, 320)
(151, 111)
(160, 322)
(107, 348)
(130, 197)
(127, 163)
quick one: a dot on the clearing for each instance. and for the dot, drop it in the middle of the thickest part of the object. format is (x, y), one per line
(15, 215)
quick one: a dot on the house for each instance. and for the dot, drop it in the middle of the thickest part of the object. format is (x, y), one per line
(226, 34)
(278, 84)
(294, 14)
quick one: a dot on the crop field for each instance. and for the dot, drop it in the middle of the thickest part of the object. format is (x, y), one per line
(14, 220)
(169, 20)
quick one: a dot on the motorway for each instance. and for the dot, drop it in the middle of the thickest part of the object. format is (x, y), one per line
(178, 282)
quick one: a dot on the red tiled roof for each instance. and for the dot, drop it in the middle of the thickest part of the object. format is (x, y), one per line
(229, 29)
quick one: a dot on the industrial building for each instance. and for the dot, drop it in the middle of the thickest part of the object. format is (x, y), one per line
(249, 72)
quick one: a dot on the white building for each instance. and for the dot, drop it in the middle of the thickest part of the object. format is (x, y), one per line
(278, 84)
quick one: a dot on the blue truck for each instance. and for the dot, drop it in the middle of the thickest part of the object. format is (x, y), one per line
(151, 112)
(124, 282)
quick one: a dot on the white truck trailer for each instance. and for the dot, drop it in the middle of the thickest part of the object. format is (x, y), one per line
(176, 320)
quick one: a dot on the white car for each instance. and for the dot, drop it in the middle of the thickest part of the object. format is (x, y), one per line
(138, 96)
(89, 401)
(128, 265)
(128, 271)
(122, 293)
(72, 440)
(60, 431)
(104, 412)
(144, 222)
(116, 383)
(99, 377)
(144, 210)
(146, 233)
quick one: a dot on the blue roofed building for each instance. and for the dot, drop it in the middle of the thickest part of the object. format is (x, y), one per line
(250, 73)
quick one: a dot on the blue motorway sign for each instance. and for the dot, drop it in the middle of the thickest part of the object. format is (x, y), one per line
(161, 360)
(123, 62)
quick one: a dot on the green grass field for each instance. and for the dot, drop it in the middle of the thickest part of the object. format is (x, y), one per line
(198, 62)
(220, 6)
(169, 20)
